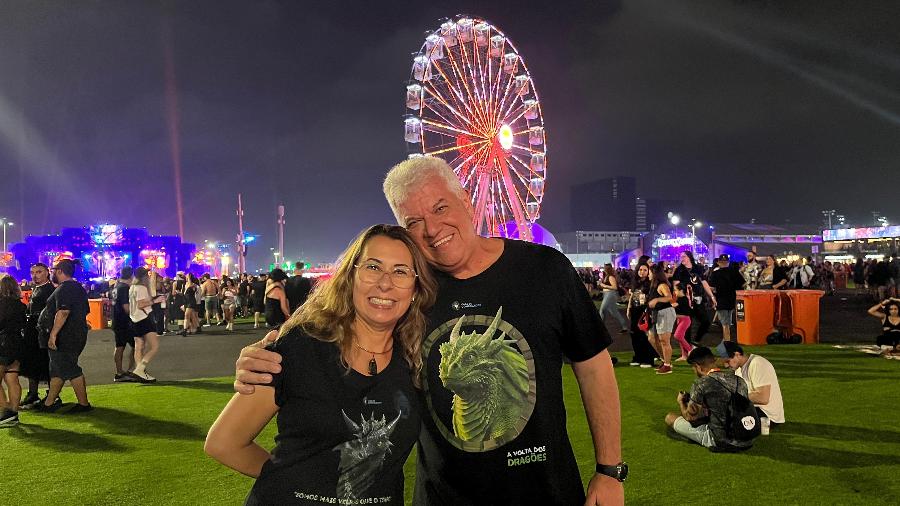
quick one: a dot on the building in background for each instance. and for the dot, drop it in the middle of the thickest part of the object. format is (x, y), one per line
(604, 204)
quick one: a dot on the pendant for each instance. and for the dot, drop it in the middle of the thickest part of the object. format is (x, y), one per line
(373, 367)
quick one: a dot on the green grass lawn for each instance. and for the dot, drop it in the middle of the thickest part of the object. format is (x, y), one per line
(143, 444)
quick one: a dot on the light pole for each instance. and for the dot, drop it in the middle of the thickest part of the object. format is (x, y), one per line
(828, 213)
(5, 223)
(694, 224)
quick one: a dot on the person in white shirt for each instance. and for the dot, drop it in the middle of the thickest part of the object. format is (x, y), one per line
(146, 340)
(762, 382)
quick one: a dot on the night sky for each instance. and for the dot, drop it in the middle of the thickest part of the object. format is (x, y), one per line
(744, 109)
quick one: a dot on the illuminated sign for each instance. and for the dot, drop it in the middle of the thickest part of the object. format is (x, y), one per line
(852, 234)
(674, 242)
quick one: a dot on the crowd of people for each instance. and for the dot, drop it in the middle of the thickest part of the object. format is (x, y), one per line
(408, 324)
(42, 341)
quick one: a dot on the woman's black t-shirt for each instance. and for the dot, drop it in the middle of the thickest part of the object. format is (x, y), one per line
(342, 437)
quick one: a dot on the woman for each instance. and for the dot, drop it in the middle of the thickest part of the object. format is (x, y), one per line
(637, 303)
(277, 310)
(888, 311)
(772, 277)
(663, 317)
(228, 295)
(140, 306)
(348, 413)
(691, 277)
(191, 306)
(610, 286)
(12, 344)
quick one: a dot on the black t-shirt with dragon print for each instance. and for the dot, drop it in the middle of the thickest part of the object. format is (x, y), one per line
(342, 437)
(494, 430)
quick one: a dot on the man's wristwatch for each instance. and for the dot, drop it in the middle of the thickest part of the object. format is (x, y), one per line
(618, 471)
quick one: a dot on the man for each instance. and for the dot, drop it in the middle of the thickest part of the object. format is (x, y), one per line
(297, 288)
(750, 271)
(802, 274)
(727, 281)
(243, 296)
(762, 382)
(703, 412)
(528, 302)
(35, 363)
(692, 279)
(210, 290)
(68, 306)
(122, 326)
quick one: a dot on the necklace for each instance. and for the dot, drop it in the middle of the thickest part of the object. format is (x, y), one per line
(373, 366)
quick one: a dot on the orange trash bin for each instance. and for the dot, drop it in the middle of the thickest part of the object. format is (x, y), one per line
(806, 313)
(754, 311)
(97, 317)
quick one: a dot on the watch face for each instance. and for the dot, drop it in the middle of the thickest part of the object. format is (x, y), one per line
(622, 471)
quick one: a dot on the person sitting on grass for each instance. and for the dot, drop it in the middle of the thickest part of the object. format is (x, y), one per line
(12, 344)
(762, 382)
(704, 412)
(888, 311)
(348, 410)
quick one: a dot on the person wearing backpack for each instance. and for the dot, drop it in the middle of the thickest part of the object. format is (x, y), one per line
(717, 413)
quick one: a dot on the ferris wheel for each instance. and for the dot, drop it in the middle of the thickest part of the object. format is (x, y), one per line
(471, 100)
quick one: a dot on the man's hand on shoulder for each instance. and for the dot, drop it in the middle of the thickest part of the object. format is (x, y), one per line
(254, 365)
(605, 491)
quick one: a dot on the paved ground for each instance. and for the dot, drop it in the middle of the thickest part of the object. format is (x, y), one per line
(208, 355)
(213, 353)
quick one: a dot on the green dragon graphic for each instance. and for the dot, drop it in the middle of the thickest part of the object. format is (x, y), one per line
(489, 381)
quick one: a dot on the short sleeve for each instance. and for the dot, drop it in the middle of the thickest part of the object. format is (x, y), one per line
(760, 374)
(584, 334)
(288, 346)
(66, 298)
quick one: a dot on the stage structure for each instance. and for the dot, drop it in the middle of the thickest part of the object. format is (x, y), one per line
(102, 250)
(471, 100)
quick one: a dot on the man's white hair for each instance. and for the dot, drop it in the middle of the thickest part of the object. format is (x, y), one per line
(408, 175)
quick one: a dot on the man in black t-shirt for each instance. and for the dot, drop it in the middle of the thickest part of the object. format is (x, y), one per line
(68, 305)
(297, 288)
(122, 326)
(506, 315)
(727, 280)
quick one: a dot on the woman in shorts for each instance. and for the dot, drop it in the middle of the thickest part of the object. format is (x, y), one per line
(146, 340)
(663, 317)
(346, 400)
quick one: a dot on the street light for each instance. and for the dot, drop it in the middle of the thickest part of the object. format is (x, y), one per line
(694, 224)
(5, 223)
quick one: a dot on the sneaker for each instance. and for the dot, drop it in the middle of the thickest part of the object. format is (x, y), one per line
(9, 418)
(634, 364)
(119, 378)
(646, 366)
(29, 402)
(681, 359)
(80, 408)
(207, 325)
(664, 369)
(53, 408)
(143, 377)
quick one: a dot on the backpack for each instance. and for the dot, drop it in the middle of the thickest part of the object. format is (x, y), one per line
(741, 420)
